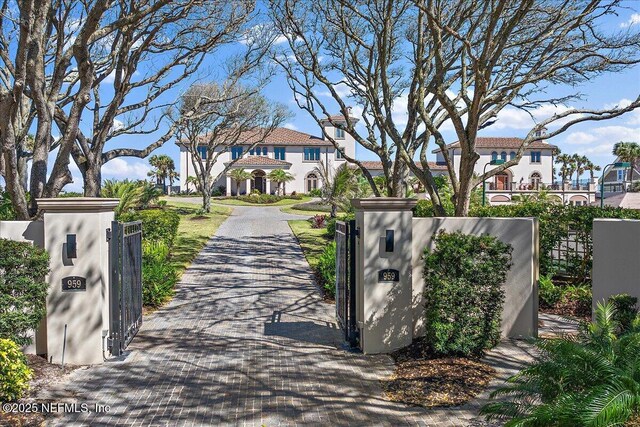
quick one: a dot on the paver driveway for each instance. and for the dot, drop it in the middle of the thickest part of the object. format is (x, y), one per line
(247, 340)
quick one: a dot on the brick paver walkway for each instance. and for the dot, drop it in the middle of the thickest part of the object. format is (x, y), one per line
(247, 340)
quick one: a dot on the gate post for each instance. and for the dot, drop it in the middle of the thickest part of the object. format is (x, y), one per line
(75, 235)
(383, 273)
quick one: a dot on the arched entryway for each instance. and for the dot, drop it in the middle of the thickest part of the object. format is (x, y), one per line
(259, 181)
(535, 180)
(502, 181)
(311, 182)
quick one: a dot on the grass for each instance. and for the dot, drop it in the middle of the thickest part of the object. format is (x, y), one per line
(312, 240)
(307, 213)
(193, 233)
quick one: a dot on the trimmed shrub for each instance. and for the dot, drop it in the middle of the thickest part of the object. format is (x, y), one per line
(265, 199)
(327, 269)
(157, 224)
(625, 310)
(316, 192)
(331, 223)
(23, 291)
(158, 276)
(14, 372)
(463, 293)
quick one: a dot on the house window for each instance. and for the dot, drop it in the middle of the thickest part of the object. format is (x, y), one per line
(512, 155)
(279, 153)
(621, 174)
(339, 133)
(494, 155)
(339, 154)
(202, 151)
(312, 182)
(535, 157)
(503, 156)
(252, 152)
(236, 153)
(311, 154)
(264, 151)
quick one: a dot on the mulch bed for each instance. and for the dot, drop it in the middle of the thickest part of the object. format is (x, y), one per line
(422, 379)
(45, 374)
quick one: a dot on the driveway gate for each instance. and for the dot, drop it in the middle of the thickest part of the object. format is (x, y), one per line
(346, 280)
(125, 257)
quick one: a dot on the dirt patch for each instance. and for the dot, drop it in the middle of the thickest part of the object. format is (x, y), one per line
(45, 375)
(198, 217)
(422, 379)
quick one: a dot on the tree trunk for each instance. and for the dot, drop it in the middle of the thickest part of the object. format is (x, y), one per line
(14, 185)
(463, 196)
(334, 210)
(92, 178)
(206, 194)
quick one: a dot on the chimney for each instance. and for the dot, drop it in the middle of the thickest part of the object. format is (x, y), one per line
(541, 132)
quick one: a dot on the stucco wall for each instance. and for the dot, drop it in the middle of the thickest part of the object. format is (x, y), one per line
(520, 315)
(616, 258)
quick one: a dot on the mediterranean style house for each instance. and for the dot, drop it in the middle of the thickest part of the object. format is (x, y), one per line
(534, 171)
(295, 152)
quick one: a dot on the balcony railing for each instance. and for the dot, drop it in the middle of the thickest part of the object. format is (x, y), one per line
(537, 186)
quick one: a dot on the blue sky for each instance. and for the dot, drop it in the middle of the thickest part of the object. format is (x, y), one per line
(594, 140)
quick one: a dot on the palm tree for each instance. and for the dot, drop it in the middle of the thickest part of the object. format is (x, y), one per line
(280, 176)
(239, 175)
(565, 161)
(338, 187)
(589, 380)
(173, 175)
(193, 180)
(628, 152)
(130, 194)
(591, 168)
(579, 162)
(163, 166)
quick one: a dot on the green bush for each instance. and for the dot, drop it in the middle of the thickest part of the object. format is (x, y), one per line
(327, 269)
(548, 293)
(576, 300)
(265, 199)
(157, 224)
(7, 213)
(14, 372)
(158, 275)
(331, 223)
(463, 292)
(316, 192)
(589, 380)
(23, 290)
(626, 311)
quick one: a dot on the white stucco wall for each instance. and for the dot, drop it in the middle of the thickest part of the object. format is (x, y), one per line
(616, 252)
(520, 314)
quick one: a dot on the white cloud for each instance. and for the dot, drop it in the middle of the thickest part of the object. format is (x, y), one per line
(596, 138)
(633, 20)
(514, 118)
(341, 89)
(632, 117)
(290, 126)
(121, 168)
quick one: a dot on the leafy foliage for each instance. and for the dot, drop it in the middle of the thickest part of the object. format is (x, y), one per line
(133, 195)
(589, 380)
(463, 292)
(7, 213)
(556, 222)
(319, 221)
(14, 372)
(158, 276)
(265, 199)
(23, 290)
(548, 293)
(625, 310)
(327, 269)
(158, 225)
(279, 177)
(341, 185)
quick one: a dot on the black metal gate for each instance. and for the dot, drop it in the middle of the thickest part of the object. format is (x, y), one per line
(346, 280)
(125, 256)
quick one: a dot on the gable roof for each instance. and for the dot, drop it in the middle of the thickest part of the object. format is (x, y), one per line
(279, 136)
(622, 200)
(259, 161)
(501, 142)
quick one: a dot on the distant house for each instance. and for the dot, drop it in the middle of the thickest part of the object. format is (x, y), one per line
(296, 152)
(534, 171)
(617, 180)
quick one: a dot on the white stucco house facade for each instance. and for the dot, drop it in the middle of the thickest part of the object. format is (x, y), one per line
(534, 171)
(296, 152)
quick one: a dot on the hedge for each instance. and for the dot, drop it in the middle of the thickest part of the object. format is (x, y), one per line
(23, 290)
(463, 293)
(160, 225)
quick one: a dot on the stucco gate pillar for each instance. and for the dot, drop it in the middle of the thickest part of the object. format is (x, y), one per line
(78, 298)
(383, 273)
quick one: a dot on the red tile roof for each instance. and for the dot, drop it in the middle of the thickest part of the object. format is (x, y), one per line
(499, 142)
(375, 165)
(259, 161)
(279, 136)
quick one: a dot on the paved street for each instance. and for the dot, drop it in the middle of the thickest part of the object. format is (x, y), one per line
(247, 340)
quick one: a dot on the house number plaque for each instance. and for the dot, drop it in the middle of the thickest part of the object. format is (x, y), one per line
(74, 283)
(388, 275)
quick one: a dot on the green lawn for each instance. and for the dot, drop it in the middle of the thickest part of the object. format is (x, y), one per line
(312, 240)
(193, 233)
